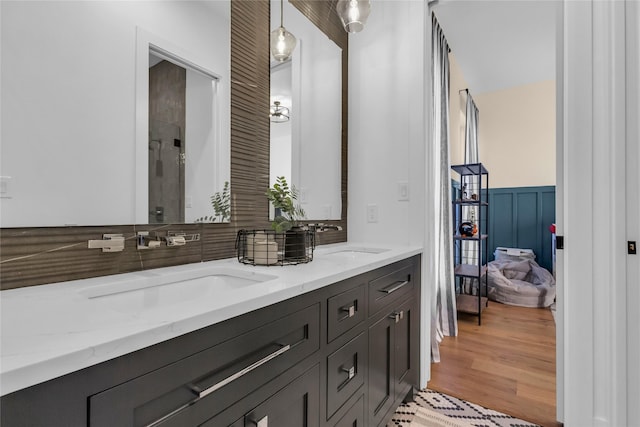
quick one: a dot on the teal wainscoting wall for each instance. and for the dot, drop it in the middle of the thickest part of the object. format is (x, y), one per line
(520, 217)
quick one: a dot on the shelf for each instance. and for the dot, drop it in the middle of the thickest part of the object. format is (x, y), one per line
(469, 303)
(472, 192)
(469, 270)
(470, 202)
(470, 169)
(459, 237)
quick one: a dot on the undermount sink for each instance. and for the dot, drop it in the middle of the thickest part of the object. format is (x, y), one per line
(160, 291)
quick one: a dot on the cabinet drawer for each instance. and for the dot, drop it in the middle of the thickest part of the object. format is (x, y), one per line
(354, 416)
(346, 369)
(296, 405)
(193, 389)
(345, 311)
(390, 287)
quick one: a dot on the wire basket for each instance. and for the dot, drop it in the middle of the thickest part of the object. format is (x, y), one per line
(267, 247)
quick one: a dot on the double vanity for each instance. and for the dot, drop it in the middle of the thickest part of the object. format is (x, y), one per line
(334, 342)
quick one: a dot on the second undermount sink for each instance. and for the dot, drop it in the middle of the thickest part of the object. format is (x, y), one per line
(162, 291)
(355, 252)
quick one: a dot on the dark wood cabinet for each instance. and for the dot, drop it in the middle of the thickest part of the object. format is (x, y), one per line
(343, 355)
(393, 360)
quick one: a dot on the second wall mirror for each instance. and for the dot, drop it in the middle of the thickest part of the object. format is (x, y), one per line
(306, 147)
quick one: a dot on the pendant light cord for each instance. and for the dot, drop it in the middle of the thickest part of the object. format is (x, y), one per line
(281, 13)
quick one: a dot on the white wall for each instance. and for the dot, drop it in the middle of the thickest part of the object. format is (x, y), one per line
(387, 123)
(388, 68)
(68, 102)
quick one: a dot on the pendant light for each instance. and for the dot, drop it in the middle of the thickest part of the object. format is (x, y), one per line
(282, 41)
(353, 14)
(278, 113)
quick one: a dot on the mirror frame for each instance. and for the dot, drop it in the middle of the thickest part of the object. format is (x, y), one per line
(323, 15)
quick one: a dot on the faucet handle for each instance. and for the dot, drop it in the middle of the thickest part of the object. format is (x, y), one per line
(109, 243)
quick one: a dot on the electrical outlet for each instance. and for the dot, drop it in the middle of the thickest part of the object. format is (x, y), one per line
(372, 213)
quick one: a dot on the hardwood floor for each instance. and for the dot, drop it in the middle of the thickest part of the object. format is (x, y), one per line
(507, 364)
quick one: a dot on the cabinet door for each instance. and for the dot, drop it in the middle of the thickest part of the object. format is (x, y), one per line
(354, 416)
(393, 359)
(406, 347)
(381, 366)
(296, 405)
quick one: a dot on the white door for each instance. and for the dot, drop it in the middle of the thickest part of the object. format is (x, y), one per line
(600, 213)
(633, 208)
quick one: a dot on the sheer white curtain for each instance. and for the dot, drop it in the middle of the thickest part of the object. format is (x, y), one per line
(470, 183)
(444, 320)
(471, 132)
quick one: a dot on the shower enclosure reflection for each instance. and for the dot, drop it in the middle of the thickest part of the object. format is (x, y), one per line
(166, 173)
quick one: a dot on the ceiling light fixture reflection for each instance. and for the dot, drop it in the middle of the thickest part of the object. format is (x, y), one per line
(282, 41)
(278, 113)
(353, 14)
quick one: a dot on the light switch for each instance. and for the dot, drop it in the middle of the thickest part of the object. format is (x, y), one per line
(5, 187)
(372, 213)
(403, 191)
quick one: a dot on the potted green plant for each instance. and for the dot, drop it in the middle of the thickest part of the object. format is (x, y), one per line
(288, 216)
(221, 203)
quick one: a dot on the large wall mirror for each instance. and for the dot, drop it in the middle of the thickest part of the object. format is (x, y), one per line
(114, 112)
(306, 144)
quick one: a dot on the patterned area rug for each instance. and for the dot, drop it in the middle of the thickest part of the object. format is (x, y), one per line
(435, 409)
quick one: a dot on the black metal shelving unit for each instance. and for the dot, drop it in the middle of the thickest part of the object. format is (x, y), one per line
(473, 193)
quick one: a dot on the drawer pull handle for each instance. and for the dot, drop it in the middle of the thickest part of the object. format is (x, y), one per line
(397, 316)
(394, 286)
(350, 310)
(350, 371)
(262, 422)
(243, 372)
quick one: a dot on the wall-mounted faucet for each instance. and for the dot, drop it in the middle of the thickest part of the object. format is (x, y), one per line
(320, 227)
(109, 243)
(174, 238)
(145, 242)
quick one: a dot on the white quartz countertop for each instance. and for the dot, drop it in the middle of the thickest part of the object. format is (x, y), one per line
(55, 329)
